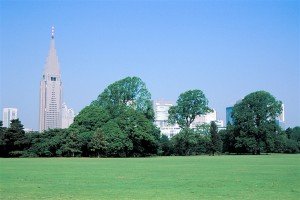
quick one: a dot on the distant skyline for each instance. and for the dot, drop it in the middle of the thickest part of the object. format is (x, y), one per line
(227, 49)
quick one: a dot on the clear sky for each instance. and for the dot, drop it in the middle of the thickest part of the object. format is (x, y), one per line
(225, 48)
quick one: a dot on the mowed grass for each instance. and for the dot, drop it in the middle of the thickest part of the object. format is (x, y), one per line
(196, 177)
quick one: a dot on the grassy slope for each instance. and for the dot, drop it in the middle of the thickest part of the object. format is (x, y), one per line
(199, 177)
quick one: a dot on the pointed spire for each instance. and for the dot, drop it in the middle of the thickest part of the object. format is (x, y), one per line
(52, 32)
(52, 64)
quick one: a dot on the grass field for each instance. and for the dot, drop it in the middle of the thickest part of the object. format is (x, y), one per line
(198, 177)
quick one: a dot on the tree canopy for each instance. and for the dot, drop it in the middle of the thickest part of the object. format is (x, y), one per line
(215, 139)
(189, 104)
(254, 121)
(120, 122)
(131, 92)
(90, 118)
(124, 129)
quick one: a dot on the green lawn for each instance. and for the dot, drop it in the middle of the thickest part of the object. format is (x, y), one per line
(197, 177)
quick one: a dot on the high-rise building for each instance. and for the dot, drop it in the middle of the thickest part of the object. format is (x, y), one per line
(67, 116)
(228, 115)
(219, 123)
(161, 109)
(8, 115)
(281, 118)
(51, 91)
(204, 119)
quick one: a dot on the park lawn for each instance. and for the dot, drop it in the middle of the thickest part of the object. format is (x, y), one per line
(194, 177)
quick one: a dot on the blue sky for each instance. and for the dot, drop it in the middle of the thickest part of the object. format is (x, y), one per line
(225, 48)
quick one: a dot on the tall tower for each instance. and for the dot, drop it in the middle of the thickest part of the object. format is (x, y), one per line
(51, 91)
(8, 115)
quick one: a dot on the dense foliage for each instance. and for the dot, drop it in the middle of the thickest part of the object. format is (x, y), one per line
(255, 124)
(128, 92)
(118, 124)
(190, 104)
(109, 127)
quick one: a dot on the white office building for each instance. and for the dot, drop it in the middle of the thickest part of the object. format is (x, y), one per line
(161, 109)
(281, 118)
(67, 117)
(204, 119)
(8, 115)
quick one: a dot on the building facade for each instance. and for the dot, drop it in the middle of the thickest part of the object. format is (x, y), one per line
(51, 91)
(67, 116)
(281, 118)
(204, 119)
(228, 115)
(8, 115)
(161, 109)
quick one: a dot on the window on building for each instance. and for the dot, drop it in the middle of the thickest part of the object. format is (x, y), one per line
(53, 78)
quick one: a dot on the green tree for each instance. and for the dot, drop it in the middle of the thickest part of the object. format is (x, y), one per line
(3, 140)
(46, 144)
(124, 113)
(131, 92)
(295, 134)
(99, 143)
(118, 142)
(165, 148)
(71, 145)
(203, 129)
(85, 139)
(293, 141)
(254, 122)
(140, 130)
(215, 139)
(228, 139)
(184, 143)
(203, 144)
(90, 118)
(189, 104)
(14, 139)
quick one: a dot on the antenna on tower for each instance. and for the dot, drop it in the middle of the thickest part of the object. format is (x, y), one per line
(52, 32)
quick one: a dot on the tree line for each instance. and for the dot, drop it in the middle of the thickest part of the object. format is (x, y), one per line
(119, 123)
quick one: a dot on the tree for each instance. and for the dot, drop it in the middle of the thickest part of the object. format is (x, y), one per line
(90, 118)
(165, 148)
(203, 144)
(215, 139)
(130, 92)
(99, 143)
(292, 143)
(184, 143)
(189, 104)
(124, 114)
(71, 145)
(203, 129)
(140, 130)
(228, 139)
(85, 139)
(118, 142)
(13, 139)
(46, 144)
(254, 122)
(295, 134)
(3, 151)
